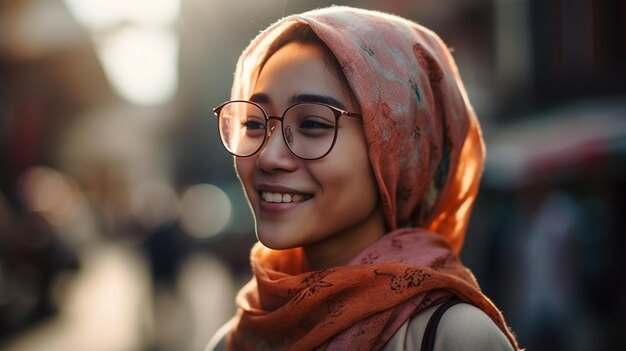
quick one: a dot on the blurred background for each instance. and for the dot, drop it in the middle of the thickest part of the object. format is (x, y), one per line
(123, 227)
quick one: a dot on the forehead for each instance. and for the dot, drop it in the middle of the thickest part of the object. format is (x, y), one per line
(299, 68)
(293, 55)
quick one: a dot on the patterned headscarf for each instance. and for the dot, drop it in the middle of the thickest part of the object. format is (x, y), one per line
(426, 151)
(425, 144)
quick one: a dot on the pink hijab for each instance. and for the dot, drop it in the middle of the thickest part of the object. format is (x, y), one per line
(425, 143)
(426, 150)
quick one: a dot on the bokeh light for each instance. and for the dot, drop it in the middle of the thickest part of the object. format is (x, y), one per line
(154, 204)
(136, 43)
(50, 193)
(205, 211)
(141, 63)
(100, 14)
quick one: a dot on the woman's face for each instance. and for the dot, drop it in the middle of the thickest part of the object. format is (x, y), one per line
(329, 206)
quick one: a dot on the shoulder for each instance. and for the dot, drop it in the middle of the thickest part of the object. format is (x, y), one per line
(466, 327)
(462, 327)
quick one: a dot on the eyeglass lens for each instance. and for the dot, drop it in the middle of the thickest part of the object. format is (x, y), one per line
(308, 129)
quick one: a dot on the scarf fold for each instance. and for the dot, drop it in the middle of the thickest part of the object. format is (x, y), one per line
(359, 306)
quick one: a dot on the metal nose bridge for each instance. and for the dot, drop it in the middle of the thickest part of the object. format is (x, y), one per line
(276, 118)
(270, 131)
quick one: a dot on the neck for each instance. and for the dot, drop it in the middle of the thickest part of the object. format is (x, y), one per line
(340, 249)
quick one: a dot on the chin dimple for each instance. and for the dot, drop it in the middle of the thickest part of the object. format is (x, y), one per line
(283, 197)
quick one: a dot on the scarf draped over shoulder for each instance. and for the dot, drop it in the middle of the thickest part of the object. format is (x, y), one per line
(427, 153)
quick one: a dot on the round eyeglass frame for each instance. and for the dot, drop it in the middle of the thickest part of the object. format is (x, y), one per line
(337, 112)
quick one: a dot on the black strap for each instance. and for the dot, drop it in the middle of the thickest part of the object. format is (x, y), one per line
(428, 341)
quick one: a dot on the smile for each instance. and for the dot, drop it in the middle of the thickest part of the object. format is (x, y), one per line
(284, 197)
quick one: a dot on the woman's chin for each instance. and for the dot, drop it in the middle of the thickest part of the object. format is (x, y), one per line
(276, 240)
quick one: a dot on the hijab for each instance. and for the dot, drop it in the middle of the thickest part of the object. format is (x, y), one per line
(427, 153)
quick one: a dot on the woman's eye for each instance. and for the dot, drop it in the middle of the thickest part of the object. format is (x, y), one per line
(253, 128)
(315, 123)
(253, 124)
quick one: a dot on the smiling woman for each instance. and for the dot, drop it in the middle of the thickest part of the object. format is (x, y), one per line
(360, 157)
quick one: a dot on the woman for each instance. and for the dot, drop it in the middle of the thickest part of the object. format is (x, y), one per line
(360, 157)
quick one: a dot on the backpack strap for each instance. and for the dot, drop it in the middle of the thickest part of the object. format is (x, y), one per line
(428, 341)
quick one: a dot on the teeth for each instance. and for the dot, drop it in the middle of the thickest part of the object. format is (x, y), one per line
(282, 197)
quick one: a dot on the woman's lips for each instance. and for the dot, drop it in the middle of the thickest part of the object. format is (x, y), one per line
(278, 202)
(278, 197)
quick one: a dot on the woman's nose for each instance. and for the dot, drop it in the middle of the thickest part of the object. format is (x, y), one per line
(275, 155)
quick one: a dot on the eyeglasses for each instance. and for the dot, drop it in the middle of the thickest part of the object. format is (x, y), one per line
(309, 129)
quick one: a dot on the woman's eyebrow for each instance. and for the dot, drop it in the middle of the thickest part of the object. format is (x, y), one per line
(329, 100)
(260, 98)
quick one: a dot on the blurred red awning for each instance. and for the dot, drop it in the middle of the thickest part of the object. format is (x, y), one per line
(553, 142)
